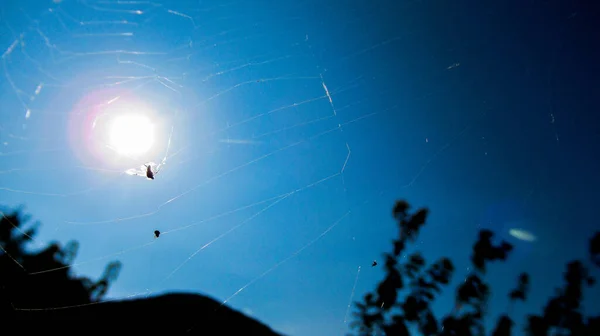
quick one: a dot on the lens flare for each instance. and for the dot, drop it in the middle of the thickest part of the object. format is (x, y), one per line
(522, 235)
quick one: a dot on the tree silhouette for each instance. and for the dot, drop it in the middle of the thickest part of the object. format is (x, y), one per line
(38, 280)
(37, 286)
(382, 312)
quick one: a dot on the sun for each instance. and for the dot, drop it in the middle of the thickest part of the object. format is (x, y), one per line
(131, 134)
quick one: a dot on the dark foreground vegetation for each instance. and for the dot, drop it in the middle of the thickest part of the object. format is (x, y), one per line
(38, 294)
(403, 299)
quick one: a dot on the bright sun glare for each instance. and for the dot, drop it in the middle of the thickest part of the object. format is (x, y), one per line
(131, 134)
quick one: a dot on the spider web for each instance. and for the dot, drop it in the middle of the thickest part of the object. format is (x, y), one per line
(255, 146)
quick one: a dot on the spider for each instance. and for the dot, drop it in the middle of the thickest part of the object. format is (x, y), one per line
(149, 170)
(156, 233)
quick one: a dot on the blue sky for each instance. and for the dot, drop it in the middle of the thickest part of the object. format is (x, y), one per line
(483, 113)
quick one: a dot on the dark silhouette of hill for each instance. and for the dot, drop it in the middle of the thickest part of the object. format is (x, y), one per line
(34, 285)
(169, 314)
(403, 299)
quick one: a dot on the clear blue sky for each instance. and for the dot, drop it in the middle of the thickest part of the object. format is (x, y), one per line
(485, 113)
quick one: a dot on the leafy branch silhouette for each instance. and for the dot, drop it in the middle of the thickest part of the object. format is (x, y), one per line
(42, 279)
(383, 313)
